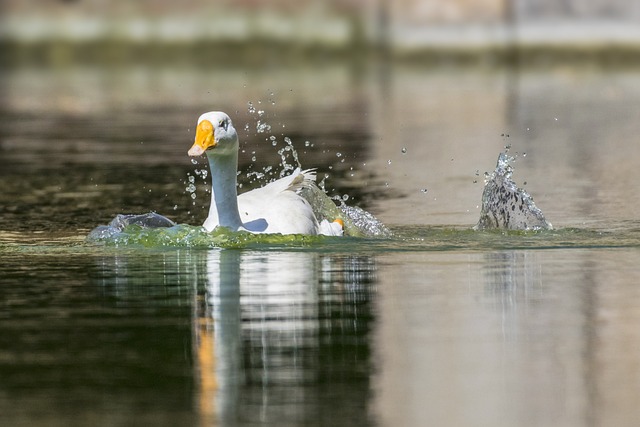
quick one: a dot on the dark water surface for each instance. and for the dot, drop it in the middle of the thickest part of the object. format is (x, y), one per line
(437, 325)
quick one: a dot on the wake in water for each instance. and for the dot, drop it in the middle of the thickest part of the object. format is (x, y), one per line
(505, 205)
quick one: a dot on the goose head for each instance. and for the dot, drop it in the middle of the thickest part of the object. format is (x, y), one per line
(215, 135)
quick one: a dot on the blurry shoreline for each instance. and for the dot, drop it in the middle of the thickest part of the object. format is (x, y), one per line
(266, 52)
(246, 32)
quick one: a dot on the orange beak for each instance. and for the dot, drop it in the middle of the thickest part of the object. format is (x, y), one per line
(204, 139)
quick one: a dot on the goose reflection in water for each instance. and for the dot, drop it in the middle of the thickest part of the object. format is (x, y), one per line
(268, 326)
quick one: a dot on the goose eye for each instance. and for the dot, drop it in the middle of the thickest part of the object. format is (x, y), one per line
(222, 124)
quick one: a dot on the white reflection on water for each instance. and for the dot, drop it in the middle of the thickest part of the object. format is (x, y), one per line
(264, 328)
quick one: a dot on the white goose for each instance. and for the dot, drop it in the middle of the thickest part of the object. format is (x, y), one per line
(275, 208)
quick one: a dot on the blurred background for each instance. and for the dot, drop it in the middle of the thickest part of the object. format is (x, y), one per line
(93, 28)
(403, 102)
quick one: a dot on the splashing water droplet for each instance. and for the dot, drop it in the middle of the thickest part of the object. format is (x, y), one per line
(389, 161)
(193, 195)
(192, 179)
(307, 144)
(253, 158)
(404, 150)
(345, 197)
(251, 108)
(262, 127)
(175, 207)
(194, 161)
(338, 154)
(424, 190)
(191, 188)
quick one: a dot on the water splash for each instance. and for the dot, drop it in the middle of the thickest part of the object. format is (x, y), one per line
(149, 220)
(505, 205)
(357, 221)
(139, 234)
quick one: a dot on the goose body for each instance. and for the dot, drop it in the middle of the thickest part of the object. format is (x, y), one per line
(275, 208)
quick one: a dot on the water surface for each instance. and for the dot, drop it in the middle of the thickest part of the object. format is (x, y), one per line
(436, 325)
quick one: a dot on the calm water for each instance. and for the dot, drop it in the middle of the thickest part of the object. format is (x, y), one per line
(438, 325)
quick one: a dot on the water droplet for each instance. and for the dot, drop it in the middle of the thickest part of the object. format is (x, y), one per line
(389, 161)
(175, 207)
(193, 195)
(262, 127)
(194, 161)
(555, 118)
(345, 197)
(404, 150)
(477, 172)
(307, 144)
(338, 154)
(424, 190)
(253, 158)
(246, 127)
(192, 179)
(251, 108)
(288, 140)
(524, 154)
(260, 113)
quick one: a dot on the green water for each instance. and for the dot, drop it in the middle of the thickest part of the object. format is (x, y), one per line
(435, 324)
